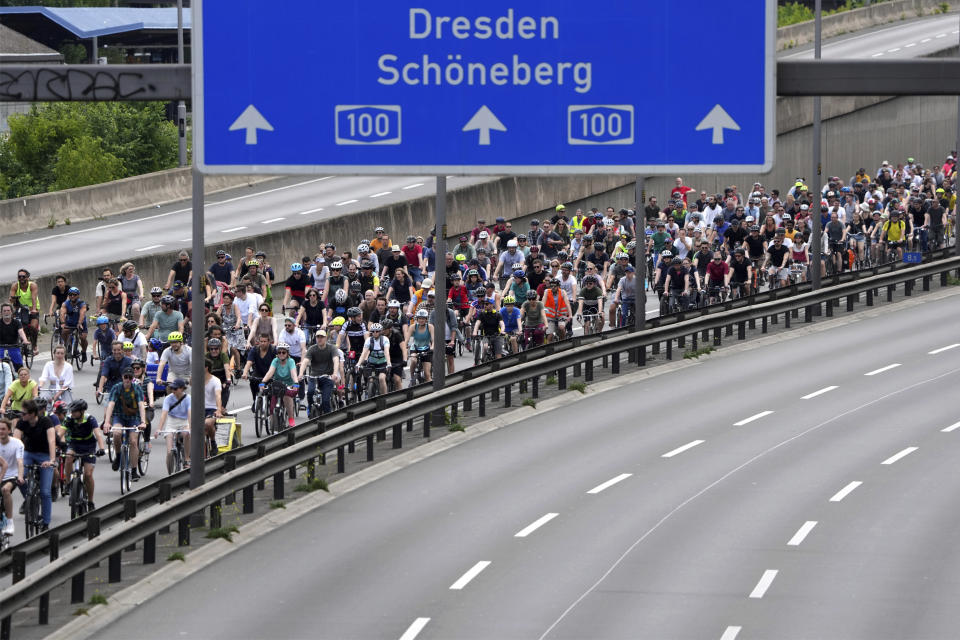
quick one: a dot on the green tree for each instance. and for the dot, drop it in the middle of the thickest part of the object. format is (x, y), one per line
(83, 161)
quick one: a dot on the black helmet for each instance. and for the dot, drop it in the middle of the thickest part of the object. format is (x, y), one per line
(129, 325)
(78, 405)
(531, 295)
(168, 299)
(353, 311)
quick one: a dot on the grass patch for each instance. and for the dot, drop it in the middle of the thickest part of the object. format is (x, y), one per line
(278, 504)
(81, 611)
(98, 598)
(702, 351)
(176, 555)
(944, 7)
(578, 386)
(317, 484)
(223, 532)
(456, 426)
(66, 221)
(551, 379)
(530, 402)
(952, 281)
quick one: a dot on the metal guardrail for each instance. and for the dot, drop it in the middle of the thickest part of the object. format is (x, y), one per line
(335, 432)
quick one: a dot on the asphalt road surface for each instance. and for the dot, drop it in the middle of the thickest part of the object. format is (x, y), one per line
(292, 202)
(802, 490)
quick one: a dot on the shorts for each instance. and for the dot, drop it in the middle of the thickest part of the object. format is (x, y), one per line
(397, 370)
(84, 449)
(174, 424)
(209, 413)
(450, 350)
(125, 421)
(554, 323)
(11, 481)
(783, 273)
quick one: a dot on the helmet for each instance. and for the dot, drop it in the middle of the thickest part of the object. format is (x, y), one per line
(489, 285)
(567, 265)
(738, 251)
(340, 296)
(387, 324)
(473, 272)
(336, 265)
(483, 235)
(755, 227)
(376, 326)
(353, 312)
(531, 295)
(363, 248)
(518, 273)
(560, 207)
(128, 346)
(534, 222)
(632, 244)
(355, 285)
(411, 238)
(554, 282)
(480, 291)
(749, 219)
(624, 256)
(167, 300)
(460, 257)
(499, 219)
(137, 362)
(78, 405)
(422, 313)
(456, 276)
(221, 253)
(490, 301)
(509, 300)
(174, 336)
(666, 254)
(295, 267)
(562, 256)
(337, 322)
(283, 345)
(41, 403)
(156, 344)
(103, 320)
(213, 342)
(73, 290)
(59, 406)
(393, 304)
(129, 325)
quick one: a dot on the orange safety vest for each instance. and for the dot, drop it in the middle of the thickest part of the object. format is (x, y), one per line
(553, 305)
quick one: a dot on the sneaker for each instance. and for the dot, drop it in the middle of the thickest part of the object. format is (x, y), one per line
(83, 357)
(8, 528)
(43, 527)
(91, 506)
(134, 474)
(290, 422)
(116, 463)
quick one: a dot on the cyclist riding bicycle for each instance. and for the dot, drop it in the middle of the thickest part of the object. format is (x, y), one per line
(325, 368)
(489, 325)
(283, 370)
(590, 304)
(84, 440)
(557, 309)
(73, 317)
(511, 322)
(174, 417)
(25, 297)
(376, 350)
(420, 339)
(12, 335)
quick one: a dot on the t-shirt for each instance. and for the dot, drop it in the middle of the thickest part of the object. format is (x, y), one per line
(283, 371)
(35, 437)
(260, 365)
(11, 452)
(320, 359)
(80, 429)
(167, 322)
(222, 272)
(181, 411)
(181, 271)
(179, 363)
(210, 388)
(294, 340)
(126, 402)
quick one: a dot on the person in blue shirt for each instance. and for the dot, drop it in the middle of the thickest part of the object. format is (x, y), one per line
(511, 321)
(73, 317)
(174, 419)
(104, 336)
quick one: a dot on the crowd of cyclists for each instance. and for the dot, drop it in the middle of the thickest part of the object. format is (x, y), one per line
(353, 322)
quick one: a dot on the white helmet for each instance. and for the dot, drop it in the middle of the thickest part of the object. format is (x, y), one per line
(484, 235)
(394, 303)
(336, 265)
(363, 248)
(376, 326)
(340, 295)
(511, 243)
(283, 345)
(423, 313)
(608, 222)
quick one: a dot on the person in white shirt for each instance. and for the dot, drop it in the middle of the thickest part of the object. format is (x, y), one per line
(247, 301)
(11, 454)
(56, 380)
(6, 375)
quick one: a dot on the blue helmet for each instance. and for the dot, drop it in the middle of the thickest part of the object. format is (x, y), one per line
(295, 267)
(156, 344)
(73, 290)
(103, 320)
(518, 273)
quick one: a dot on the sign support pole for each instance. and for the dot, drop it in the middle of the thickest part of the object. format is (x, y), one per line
(956, 147)
(181, 105)
(640, 236)
(816, 239)
(440, 287)
(197, 436)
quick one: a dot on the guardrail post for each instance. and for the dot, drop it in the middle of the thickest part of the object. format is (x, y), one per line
(763, 324)
(850, 301)
(482, 405)
(370, 448)
(350, 447)
(908, 288)
(693, 341)
(741, 330)
(728, 330)
(562, 378)
(216, 515)
(536, 387)
(247, 497)
(508, 394)
(230, 464)
(166, 493)
(44, 607)
(655, 348)
(681, 342)
(113, 568)
(454, 409)
(641, 355)
(468, 404)
(495, 394)
(829, 308)
(669, 349)
(398, 436)
(890, 289)
(76, 587)
(614, 364)
(869, 297)
(278, 485)
(410, 424)
(261, 452)
(705, 336)
(341, 462)
(716, 335)
(129, 513)
(577, 370)
(753, 324)
(183, 532)
(944, 278)
(588, 374)
(426, 425)
(773, 319)
(150, 549)
(808, 313)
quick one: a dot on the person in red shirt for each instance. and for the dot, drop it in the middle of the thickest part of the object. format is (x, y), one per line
(481, 226)
(414, 255)
(458, 294)
(680, 190)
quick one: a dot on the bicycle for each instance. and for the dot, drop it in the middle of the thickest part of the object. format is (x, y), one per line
(590, 322)
(483, 350)
(74, 352)
(4, 537)
(56, 338)
(315, 408)
(24, 349)
(177, 454)
(417, 375)
(77, 489)
(261, 411)
(126, 473)
(33, 523)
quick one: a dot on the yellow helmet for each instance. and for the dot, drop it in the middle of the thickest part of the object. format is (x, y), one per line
(174, 336)
(337, 322)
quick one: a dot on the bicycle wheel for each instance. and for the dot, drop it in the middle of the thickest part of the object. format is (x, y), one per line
(279, 417)
(55, 490)
(27, 352)
(78, 503)
(477, 351)
(259, 416)
(124, 469)
(77, 354)
(31, 513)
(54, 341)
(110, 451)
(143, 462)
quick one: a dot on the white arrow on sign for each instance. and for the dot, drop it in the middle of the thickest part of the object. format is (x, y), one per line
(251, 120)
(718, 120)
(484, 120)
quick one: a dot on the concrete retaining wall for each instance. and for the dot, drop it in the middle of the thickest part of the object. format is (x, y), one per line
(109, 198)
(857, 19)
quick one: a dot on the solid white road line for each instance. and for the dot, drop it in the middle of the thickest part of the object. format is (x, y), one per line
(382, 193)
(231, 230)
(941, 35)
(730, 633)
(820, 392)
(272, 220)
(533, 526)
(472, 573)
(932, 353)
(897, 456)
(689, 445)
(414, 629)
(239, 409)
(802, 533)
(952, 427)
(610, 483)
(882, 369)
(877, 55)
(752, 418)
(346, 202)
(413, 186)
(765, 581)
(843, 493)
(303, 213)
(153, 246)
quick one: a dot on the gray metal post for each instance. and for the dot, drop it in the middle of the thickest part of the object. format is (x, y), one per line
(181, 105)
(956, 147)
(93, 51)
(816, 241)
(197, 437)
(640, 226)
(440, 286)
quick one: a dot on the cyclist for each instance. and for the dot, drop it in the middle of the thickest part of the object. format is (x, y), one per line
(258, 361)
(84, 440)
(718, 277)
(626, 294)
(283, 369)
(376, 349)
(325, 367)
(420, 339)
(511, 322)
(338, 306)
(175, 416)
(11, 453)
(19, 391)
(103, 337)
(489, 325)
(590, 304)
(131, 334)
(296, 286)
(534, 320)
(132, 286)
(677, 285)
(450, 329)
(73, 317)
(212, 404)
(150, 308)
(141, 378)
(741, 273)
(114, 304)
(220, 364)
(58, 295)
(778, 257)
(167, 320)
(126, 409)
(11, 335)
(617, 271)
(112, 368)
(398, 350)
(335, 282)
(262, 325)
(177, 358)
(24, 295)
(39, 439)
(557, 309)
(892, 233)
(352, 336)
(56, 379)
(836, 234)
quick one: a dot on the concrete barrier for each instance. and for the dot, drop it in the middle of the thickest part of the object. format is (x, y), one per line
(110, 198)
(856, 19)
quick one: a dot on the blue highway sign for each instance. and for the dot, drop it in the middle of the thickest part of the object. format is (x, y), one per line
(496, 87)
